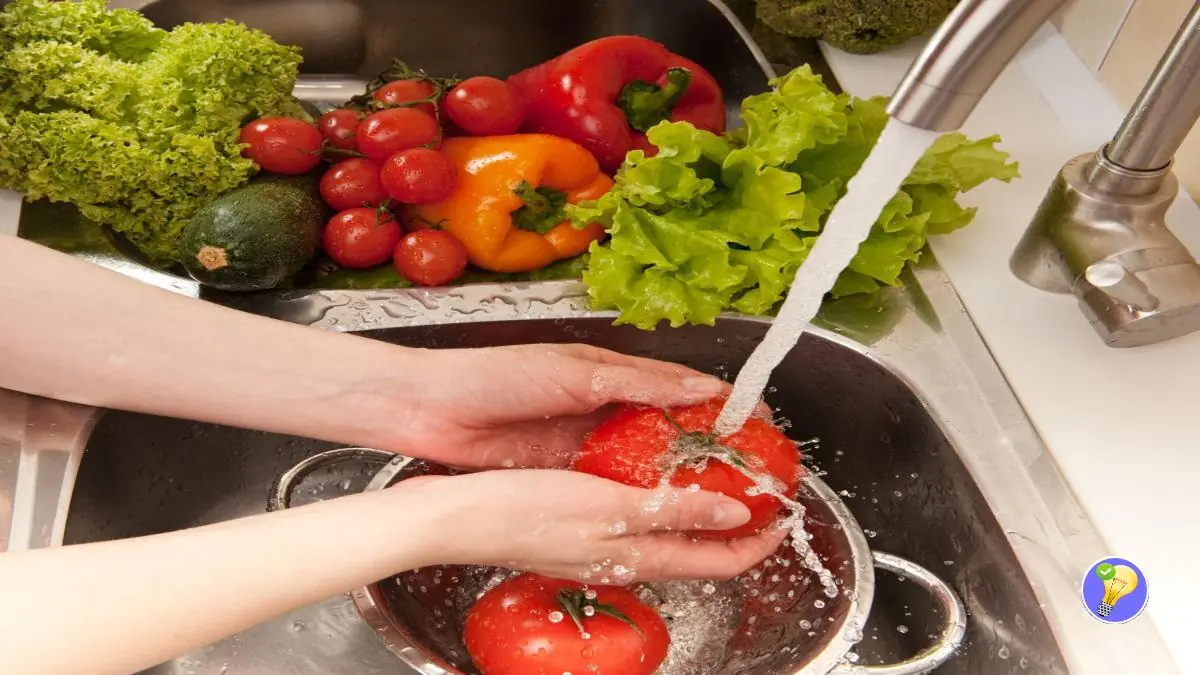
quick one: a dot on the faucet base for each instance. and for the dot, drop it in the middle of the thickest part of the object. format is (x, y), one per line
(1101, 234)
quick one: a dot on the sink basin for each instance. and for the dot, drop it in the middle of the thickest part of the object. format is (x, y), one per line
(878, 442)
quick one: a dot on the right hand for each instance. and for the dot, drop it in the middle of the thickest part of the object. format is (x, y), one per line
(576, 526)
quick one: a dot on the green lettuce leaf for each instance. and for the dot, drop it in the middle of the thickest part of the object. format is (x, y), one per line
(711, 224)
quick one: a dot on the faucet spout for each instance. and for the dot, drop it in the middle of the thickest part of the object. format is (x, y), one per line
(964, 58)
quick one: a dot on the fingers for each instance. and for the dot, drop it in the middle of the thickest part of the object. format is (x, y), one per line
(664, 557)
(675, 509)
(625, 384)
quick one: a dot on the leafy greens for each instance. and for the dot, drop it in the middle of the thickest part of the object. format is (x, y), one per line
(136, 126)
(712, 223)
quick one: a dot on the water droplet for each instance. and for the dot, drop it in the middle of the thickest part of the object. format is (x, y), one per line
(555, 617)
(589, 611)
(818, 604)
(618, 528)
(298, 626)
(1003, 652)
(589, 594)
(901, 628)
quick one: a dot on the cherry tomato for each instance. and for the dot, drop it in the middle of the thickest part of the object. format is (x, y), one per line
(510, 630)
(418, 176)
(430, 257)
(340, 127)
(387, 132)
(485, 106)
(359, 238)
(353, 183)
(282, 145)
(634, 443)
(406, 91)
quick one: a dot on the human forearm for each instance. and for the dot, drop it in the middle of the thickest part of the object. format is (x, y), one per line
(118, 607)
(77, 332)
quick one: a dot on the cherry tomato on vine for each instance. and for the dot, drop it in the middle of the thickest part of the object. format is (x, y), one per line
(387, 132)
(406, 91)
(418, 176)
(359, 238)
(353, 183)
(484, 106)
(282, 145)
(430, 257)
(340, 128)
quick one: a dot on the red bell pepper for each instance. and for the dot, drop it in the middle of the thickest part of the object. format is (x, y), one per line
(607, 93)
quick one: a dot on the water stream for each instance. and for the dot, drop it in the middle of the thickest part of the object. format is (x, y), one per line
(898, 149)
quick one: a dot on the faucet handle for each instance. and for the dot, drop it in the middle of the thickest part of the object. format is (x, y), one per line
(1144, 305)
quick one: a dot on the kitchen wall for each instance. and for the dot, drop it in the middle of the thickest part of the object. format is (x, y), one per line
(1122, 40)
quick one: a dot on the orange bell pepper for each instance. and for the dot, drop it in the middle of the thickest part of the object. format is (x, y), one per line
(507, 207)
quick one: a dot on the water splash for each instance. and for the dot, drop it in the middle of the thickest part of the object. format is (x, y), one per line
(890, 162)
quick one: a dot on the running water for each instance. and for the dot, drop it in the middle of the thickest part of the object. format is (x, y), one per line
(898, 149)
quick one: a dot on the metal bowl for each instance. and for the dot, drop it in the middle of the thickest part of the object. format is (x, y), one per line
(774, 620)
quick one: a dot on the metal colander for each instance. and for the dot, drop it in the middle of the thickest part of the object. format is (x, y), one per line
(774, 620)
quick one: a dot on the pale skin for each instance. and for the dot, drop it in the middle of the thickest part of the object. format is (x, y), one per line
(76, 332)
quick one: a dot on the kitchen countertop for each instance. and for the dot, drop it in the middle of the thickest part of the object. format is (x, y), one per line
(1119, 422)
(1116, 421)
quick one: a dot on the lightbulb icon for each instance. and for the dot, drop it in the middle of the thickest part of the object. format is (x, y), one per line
(1119, 581)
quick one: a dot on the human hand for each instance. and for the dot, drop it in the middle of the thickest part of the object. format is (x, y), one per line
(528, 405)
(575, 526)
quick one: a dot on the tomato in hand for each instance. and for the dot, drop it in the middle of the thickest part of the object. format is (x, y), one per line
(485, 106)
(360, 238)
(387, 132)
(418, 176)
(353, 183)
(633, 445)
(340, 128)
(282, 145)
(406, 91)
(430, 257)
(534, 625)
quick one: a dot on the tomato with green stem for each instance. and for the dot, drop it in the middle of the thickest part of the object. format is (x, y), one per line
(532, 624)
(638, 445)
(282, 145)
(404, 92)
(362, 237)
(430, 257)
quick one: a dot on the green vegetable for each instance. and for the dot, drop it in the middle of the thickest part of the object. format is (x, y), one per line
(136, 126)
(857, 26)
(715, 223)
(256, 236)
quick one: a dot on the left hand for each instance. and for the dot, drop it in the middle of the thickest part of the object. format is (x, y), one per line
(528, 405)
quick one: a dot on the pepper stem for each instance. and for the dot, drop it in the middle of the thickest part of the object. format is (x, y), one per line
(544, 208)
(646, 104)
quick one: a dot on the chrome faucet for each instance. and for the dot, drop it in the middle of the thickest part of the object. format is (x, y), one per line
(1101, 230)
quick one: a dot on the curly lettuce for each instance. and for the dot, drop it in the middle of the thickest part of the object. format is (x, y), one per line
(716, 223)
(135, 125)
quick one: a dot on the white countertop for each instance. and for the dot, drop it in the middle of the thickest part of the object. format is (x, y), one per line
(1121, 423)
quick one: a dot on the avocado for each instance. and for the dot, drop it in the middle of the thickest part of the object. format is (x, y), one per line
(255, 237)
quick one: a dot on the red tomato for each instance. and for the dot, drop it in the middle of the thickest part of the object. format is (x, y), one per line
(352, 183)
(387, 132)
(485, 106)
(340, 127)
(418, 176)
(430, 257)
(359, 238)
(509, 631)
(631, 447)
(406, 91)
(282, 145)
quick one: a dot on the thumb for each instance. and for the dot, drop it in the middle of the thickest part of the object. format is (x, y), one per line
(626, 384)
(674, 509)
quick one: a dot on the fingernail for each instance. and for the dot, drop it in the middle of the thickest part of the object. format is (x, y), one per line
(703, 386)
(730, 514)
